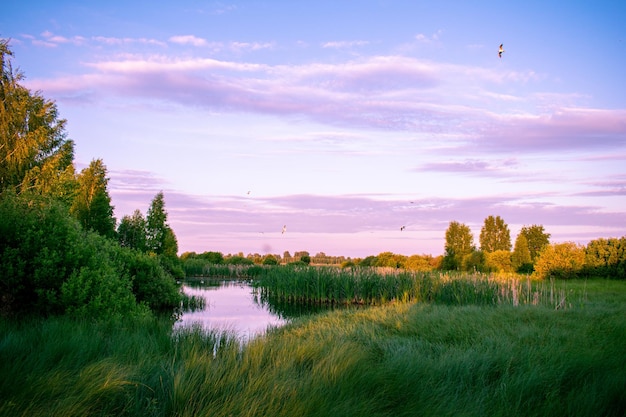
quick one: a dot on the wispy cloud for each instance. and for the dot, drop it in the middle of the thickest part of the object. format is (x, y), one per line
(344, 44)
(383, 92)
(188, 39)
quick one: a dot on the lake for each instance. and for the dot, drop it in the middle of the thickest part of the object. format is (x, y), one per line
(231, 306)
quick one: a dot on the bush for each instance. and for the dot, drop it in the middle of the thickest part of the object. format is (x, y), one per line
(498, 261)
(270, 260)
(560, 260)
(49, 265)
(606, 258)
(151, 284)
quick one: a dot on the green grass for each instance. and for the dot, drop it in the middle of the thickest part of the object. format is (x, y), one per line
(400, 359)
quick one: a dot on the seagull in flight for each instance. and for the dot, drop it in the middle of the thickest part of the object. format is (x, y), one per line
(500, 50)
(284, 229)
(402, 228)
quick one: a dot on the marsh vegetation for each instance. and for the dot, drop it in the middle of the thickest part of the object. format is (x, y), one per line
(431, 358)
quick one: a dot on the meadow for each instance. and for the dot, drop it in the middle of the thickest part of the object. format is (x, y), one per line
(419, 357)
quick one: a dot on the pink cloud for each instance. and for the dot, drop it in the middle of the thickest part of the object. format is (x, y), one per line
(384, 92)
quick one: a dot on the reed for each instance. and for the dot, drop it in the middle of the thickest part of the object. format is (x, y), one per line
(377, 286)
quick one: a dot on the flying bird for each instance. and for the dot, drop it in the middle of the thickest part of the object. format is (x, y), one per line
(500, 50)
(402, 228)
(284, 229)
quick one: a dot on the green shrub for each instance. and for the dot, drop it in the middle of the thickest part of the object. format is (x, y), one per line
(606, 258)
(560, 260)
(49, 265)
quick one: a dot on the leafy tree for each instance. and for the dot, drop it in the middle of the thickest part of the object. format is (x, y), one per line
(238, 260)
(420, 263)
(131, 232)
(537, 240)
(50, 265)
(170, 243)
(459, 243)
(156, 225)
(606, 258)
(92, 203)
(306, 258)
(498, 261)
(270, 260)
(369, 261)
(520, 259)
(560, 260)
(35, 153)
(495, 235)
(475, 261)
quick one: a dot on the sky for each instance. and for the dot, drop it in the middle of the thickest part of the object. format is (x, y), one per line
(341, 120)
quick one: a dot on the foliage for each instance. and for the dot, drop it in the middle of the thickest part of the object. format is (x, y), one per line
(521, 260)
(459, 244)
(238, 260)
(498, 261)
(474, 261)
(156, 225)
(606, 258)
(131, 232)
(495, 235)
(270, 260)
(151, 282)
(34, 151)
(50, 265)
(537, 240)
(560, 260)
(306, 259)
(92, 203)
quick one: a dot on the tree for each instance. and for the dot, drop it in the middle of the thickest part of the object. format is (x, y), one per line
(498, 261)
(560, 260)
(92, 203)
(35, 153)
(131, 231)
(474, 261)
(495, 235)
(270, 260)
(606, 258)
(170, 243)
(156, 225)
(459, 243)
(520, 259)
(537, 240)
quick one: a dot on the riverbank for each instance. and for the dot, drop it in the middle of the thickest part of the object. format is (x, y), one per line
(394, 360)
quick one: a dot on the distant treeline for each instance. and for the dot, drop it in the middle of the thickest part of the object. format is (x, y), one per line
(601, 257)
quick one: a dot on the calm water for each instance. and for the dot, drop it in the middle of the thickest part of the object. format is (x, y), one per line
(229, 306)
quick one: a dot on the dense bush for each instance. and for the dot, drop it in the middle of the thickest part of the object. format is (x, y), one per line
(498, 261)
(560, 260)
(606, 258)
(50, 265)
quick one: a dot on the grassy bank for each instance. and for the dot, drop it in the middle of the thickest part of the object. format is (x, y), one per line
(394, 360)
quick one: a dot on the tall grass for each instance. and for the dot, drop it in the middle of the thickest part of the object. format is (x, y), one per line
(376, 286)
(400, 359)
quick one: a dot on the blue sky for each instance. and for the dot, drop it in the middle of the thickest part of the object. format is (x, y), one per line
(342, 120)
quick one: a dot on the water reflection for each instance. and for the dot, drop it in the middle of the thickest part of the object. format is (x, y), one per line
(230, 306)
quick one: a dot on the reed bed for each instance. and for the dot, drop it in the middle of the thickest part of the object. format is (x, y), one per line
(376, 286)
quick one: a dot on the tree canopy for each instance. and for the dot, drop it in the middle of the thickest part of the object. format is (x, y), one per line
(495, 235)
(92, 203)
(459, 243)
(537, 239)
(34, 150)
